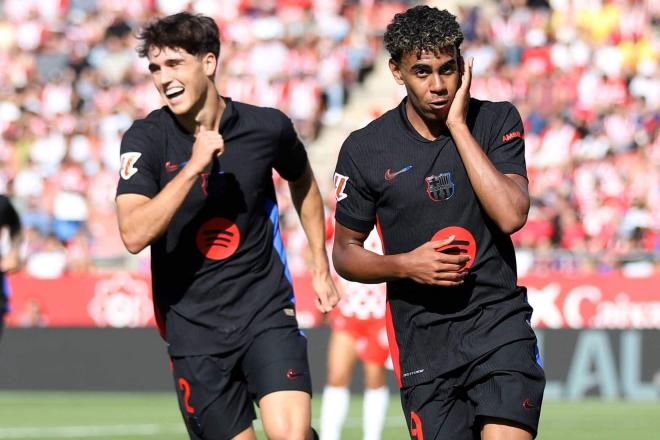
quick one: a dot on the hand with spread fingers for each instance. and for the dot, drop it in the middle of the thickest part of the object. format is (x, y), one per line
(459, 107)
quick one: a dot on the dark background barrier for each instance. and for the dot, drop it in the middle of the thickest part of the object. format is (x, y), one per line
(611, 364)
(111, 359)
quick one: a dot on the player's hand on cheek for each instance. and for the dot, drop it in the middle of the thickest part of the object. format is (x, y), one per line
(459, 106)
(426, 265)
(327, 295)
(208, 144)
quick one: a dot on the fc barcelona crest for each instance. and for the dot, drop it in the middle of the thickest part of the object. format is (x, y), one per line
(440, 187)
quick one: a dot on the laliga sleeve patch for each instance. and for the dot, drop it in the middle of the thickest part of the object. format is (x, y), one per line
(463, 244)
(340, 186)
(218, 238)
(128, 169)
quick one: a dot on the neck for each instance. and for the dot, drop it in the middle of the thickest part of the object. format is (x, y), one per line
(427, 128)
(207, 113)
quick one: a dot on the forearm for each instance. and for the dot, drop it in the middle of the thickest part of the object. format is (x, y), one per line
(140, 226)
(11, 262)
(309, 205)
(504, 201)
(355, 263)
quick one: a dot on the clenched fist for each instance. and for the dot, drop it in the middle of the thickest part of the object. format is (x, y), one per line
(208, 144)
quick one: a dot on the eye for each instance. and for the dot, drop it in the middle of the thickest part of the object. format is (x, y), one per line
(448, 69)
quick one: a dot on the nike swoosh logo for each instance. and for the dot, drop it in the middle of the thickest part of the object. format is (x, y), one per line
(389, 175)
(527, 404)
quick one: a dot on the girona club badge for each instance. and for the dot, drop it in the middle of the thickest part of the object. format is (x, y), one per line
(218, 238)
(463, 244)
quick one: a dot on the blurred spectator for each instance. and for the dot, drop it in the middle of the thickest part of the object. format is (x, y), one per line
(584, 74)
(72, 84)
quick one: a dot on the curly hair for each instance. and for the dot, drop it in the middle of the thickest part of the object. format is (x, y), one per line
(422, 28)
(196, 34)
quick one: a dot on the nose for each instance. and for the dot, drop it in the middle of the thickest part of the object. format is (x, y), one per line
(165, 76)
(437, 84)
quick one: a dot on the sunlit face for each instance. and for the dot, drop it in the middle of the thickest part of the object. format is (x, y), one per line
(431, 81)
(182, 79)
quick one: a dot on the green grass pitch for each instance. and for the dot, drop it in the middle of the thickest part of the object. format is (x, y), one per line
(125, 416)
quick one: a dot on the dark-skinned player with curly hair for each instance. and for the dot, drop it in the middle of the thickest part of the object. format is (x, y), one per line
(443, 178)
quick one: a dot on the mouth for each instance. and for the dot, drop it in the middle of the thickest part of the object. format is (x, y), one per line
(439, 105)
(174, 92)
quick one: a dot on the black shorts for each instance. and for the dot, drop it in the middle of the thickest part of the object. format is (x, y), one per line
(217, 393)
(506, 383)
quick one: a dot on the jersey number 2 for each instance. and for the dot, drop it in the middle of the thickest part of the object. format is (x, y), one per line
(185, 387)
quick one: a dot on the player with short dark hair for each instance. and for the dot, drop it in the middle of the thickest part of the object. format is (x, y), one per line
(196, 185)
(443, 177)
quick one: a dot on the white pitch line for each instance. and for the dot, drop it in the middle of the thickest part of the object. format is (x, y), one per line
(143, 430)
(89, 431)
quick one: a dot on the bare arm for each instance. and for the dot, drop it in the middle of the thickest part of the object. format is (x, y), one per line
(424, 264)
(309, 205)
(12, 262)
(505, 197)
(141, 219)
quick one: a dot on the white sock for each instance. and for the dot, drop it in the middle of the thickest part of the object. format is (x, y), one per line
(334, 409)
(374, 411)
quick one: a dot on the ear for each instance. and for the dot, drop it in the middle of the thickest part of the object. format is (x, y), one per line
(209, 63)
(396, 72)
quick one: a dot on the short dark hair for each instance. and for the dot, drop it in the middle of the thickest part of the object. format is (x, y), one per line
(196, 34)
(422, 28)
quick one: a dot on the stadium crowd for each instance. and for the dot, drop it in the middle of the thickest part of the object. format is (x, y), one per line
(73, 83)
(584, 74)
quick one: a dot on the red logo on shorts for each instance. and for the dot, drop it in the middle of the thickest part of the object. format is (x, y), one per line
(218, 238)
(528, 405)
(463, 244)
(416, 426)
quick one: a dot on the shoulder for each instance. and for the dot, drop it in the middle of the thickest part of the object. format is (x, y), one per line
(371, 136)
(491, 110)
(260, 116)
(154, 123)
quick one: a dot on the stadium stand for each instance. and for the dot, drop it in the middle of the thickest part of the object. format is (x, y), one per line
(584, 74)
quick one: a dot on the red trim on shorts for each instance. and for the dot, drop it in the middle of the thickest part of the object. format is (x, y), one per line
(394, 347)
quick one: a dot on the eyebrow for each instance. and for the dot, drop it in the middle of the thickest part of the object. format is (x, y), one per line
(170, 61)
(448, 63)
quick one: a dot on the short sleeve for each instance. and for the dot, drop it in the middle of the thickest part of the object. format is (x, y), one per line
(507, 146)
(291, 159)
(139, 164)
(356, 207)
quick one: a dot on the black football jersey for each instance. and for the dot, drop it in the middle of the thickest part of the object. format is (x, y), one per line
(219, 272)
(416, 190)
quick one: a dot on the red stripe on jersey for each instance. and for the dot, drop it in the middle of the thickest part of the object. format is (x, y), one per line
(380, 234)
(394, 347)
(160, 322)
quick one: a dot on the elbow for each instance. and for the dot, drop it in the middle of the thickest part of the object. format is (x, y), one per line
(340, 267)
(512, 224)
(132, 244)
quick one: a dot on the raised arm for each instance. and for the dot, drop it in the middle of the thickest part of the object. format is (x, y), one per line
(505, 197)
(142, 219)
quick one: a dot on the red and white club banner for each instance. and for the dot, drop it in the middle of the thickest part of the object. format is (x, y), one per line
(609, 301)
(123, 299)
